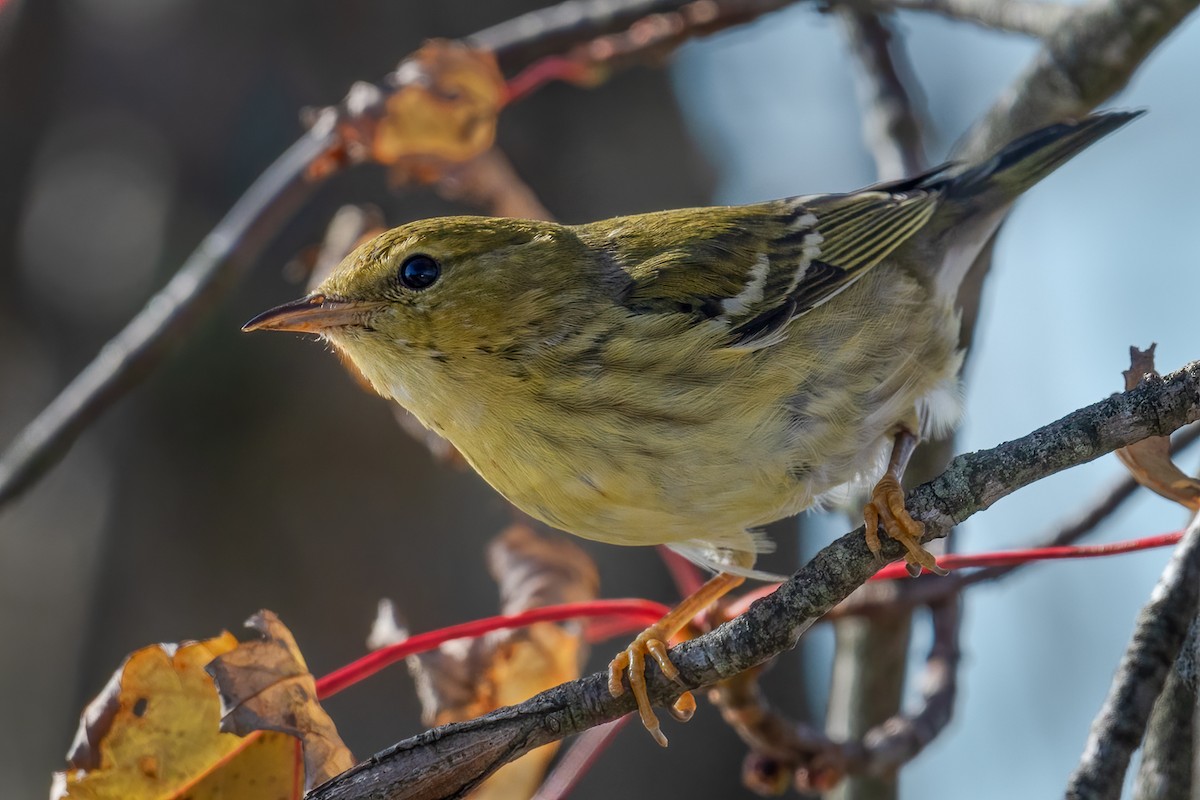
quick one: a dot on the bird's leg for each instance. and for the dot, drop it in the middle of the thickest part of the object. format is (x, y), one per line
(655, 640)
(886, 508)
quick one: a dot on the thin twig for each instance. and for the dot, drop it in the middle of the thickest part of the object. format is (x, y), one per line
(1157, 639)
(902, 738)
(167, 318)
(891, 125)
(578, 759)
(556, 30)
(450, 760)
(1015, 16)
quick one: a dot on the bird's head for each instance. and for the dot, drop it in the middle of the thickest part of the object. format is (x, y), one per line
(442, 292)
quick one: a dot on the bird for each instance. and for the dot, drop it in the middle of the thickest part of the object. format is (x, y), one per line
(684, 377)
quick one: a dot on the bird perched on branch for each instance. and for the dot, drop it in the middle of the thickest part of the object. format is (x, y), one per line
(684, 377)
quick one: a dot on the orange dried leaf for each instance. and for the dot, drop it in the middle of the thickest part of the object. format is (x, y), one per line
(153, 732)
(466, 678)
(1149, 461)
(444, 107)
(264, 685)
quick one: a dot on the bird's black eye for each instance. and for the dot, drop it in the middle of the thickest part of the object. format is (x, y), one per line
(419, 272)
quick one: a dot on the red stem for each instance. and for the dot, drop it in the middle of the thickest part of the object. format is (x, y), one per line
(1002, 558)
(618, 616)
(1009, 557)
(543, 71)
(629, 610)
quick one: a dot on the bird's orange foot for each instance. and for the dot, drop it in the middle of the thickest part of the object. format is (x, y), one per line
(632, 659)
(886, 508)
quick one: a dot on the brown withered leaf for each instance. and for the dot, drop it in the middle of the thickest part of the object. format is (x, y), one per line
(443, 109)
(469, 677)
(153, 733)
(437, 109)
(264, 684)
(1149, 461)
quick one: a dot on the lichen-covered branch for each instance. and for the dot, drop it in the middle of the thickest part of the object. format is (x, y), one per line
(448, 761)
(1158, 637)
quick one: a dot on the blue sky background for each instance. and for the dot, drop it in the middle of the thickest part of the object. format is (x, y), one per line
(1102, 255)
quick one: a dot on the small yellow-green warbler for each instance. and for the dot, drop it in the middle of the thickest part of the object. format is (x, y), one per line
(683, 377)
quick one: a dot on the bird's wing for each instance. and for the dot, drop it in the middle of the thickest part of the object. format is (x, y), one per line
(756, 268)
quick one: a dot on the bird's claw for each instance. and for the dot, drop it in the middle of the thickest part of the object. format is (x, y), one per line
(632, 661)
(886, 509)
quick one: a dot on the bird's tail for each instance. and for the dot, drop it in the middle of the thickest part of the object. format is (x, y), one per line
(1025, 161)
(975, 198)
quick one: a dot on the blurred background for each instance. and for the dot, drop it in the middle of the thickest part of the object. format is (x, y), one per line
(250, 472)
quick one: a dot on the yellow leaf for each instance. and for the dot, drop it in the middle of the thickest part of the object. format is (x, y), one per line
(154, 733)
(466, 678)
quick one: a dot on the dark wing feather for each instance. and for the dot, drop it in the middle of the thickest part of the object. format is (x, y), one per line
(756, 268)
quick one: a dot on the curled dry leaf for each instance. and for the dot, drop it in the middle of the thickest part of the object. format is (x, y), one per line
(1149, 461)
(264, 685)
(439, 108)
(153, 732)
(466, 678)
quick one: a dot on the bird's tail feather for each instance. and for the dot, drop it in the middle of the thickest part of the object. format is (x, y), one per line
(1025, 161)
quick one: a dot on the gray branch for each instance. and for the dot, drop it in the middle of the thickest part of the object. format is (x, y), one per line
(171, 314)
(1158, 637)
(448, 761)
(1014, 16)
(871, 653)
(1082, 63)
(1166, 770)
(891, 125)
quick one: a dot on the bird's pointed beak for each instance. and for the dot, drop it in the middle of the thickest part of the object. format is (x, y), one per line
(315, 313)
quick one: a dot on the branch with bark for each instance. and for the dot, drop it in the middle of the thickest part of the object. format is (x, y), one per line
(1157, 641)
(448, 761)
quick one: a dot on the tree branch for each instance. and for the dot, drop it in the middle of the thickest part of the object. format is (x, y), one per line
(1014, 16)
(1157, 639)
(448, 761)
(871, 653)
(1166, 769)
(171, 314)
(891, 126)
(555, 30)
(1082, 63)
